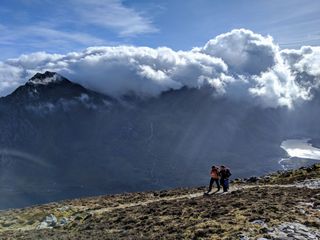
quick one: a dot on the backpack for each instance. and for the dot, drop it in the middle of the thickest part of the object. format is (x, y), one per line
(228, 173)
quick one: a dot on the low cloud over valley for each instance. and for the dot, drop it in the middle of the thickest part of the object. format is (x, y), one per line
(239, 64)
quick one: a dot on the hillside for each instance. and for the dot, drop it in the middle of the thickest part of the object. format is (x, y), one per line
(283, 205)
(60, 140)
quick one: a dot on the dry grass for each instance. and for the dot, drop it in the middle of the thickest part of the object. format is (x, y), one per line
(160, 216)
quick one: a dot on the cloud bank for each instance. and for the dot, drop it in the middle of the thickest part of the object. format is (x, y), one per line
(239, 63)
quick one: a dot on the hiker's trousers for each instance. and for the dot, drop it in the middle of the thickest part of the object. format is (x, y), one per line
(212, 180)
(225, 184)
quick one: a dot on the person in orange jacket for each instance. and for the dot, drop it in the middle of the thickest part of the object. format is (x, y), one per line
(215, 175)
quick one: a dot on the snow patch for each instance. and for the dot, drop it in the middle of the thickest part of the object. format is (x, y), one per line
(45, 81)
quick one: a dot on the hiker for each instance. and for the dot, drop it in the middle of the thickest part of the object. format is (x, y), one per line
(224, 178)
(214, 178)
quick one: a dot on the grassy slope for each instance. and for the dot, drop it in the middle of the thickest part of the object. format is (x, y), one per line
(172, 215)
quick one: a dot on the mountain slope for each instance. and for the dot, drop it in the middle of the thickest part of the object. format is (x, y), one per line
(60, 140)
(283, 205)
(51, 88)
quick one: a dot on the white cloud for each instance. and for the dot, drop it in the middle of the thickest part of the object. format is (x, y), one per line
(10, 78)
(256, 61)
(79, 24)
(119, 70)
(308, 60)
(113, 14)
(45, 37)
(277, 87)
(244, 51)
(146, 71)
(305, 63)
(238, 64)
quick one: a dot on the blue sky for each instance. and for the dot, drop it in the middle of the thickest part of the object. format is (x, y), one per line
(60, 26)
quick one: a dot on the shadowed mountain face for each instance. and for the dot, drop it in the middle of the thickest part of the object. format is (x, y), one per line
(60, 140)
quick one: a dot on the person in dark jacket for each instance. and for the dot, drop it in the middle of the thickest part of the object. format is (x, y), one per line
(224, 178)
(214, 178)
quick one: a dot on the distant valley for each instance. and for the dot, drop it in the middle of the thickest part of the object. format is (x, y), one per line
(60, 140)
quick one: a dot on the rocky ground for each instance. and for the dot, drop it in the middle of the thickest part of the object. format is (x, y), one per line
(283, 205)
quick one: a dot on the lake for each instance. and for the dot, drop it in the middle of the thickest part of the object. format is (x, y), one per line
(299, 152)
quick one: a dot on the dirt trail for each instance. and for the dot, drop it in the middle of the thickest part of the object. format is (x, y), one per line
(312, 183)
(172, 198)
(141, 203)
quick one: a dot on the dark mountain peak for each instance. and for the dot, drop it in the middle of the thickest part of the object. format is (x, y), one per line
(52, 88)
(46, 78)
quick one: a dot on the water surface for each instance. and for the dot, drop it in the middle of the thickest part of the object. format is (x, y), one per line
(299, 151)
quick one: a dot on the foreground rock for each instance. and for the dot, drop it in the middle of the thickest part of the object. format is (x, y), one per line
(294, 231)
(285, 205)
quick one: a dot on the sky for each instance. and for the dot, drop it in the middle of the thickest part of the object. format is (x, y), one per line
(61, 26)
(266, 51)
